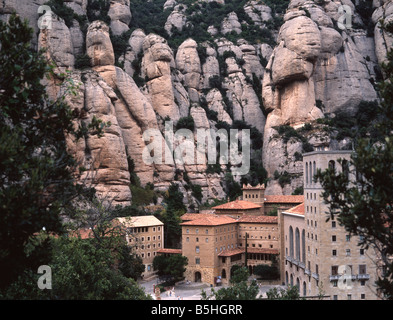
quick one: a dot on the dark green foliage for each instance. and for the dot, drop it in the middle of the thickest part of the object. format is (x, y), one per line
(196, 192)
(186, 123)
(233, 188)
(290, 293)
(149, 16)
(82, 62)
(298, 191)
(173, 265)
(98, 10)
(267, 272)
(61, 10)
(213, 168)
(239, 288)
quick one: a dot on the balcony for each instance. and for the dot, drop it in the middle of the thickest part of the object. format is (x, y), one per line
(315, 275)
(307, 272)
(353, 277)
(364, 276)
(334, 277)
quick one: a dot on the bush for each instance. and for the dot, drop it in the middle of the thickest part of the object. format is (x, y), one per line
(82, 61)
(186, 123)
(266, 272)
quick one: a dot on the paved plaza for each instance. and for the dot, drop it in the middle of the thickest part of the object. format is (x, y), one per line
(191, 291)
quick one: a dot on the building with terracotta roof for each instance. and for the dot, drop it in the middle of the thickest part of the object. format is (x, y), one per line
(214, 243)
(255, 202)
(238, 208)
(146, 235)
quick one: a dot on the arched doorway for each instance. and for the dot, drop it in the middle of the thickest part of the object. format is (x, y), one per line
(198, 276)
(223, 274)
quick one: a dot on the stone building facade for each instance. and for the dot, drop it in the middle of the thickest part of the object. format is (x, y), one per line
(317, 254)
(145, 234)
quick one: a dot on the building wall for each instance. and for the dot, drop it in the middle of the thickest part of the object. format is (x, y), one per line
(328, 244)
(146, 242)
(202, 245)
(260, 235)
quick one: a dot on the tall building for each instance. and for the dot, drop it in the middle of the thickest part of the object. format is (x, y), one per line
(317, 254)
(146, 235)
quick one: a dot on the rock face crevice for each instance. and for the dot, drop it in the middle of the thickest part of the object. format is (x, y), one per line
(313, 70)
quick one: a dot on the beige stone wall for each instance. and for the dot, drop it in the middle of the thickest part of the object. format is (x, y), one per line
(146, 242)
(260, 235)
(211, 240)
(327, 245)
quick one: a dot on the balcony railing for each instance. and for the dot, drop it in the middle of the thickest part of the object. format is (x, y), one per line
(353, 277)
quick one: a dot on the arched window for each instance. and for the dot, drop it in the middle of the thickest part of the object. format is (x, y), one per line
(310, 172)
(306, 172)
(291, 242)
(286, 277)
(297, 243)
(304, 246)
(304, 289)
(345, 167)
(332, 165)
(314, 168)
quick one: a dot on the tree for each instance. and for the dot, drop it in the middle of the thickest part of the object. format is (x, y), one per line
(37, 175)
(365, 206)
(173, 265)
(239, 288)
(170, 216)
(290, 293)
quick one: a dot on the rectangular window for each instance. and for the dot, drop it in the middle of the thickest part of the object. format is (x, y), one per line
(197, 261)
(334, 253)
(334, 238)
(197, 249)
(362, 269)
(334, 270)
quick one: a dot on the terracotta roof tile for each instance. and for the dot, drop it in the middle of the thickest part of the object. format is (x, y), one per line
(193, 216)
(238, 205)
(262, 250)
(171, 251)
(258, 219)
(209, 220)
(284, 199)
(232, 252)
(298, 209)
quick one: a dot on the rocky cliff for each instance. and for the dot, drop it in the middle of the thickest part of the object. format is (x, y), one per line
(280, 68)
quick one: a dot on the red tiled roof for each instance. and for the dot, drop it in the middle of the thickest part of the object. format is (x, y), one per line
(193, 216)
(258, 219)
(209, 220)
(299, 209)
(262, 250)
(237, 205)
(284, 199)
(232, 252)
(170, 251)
